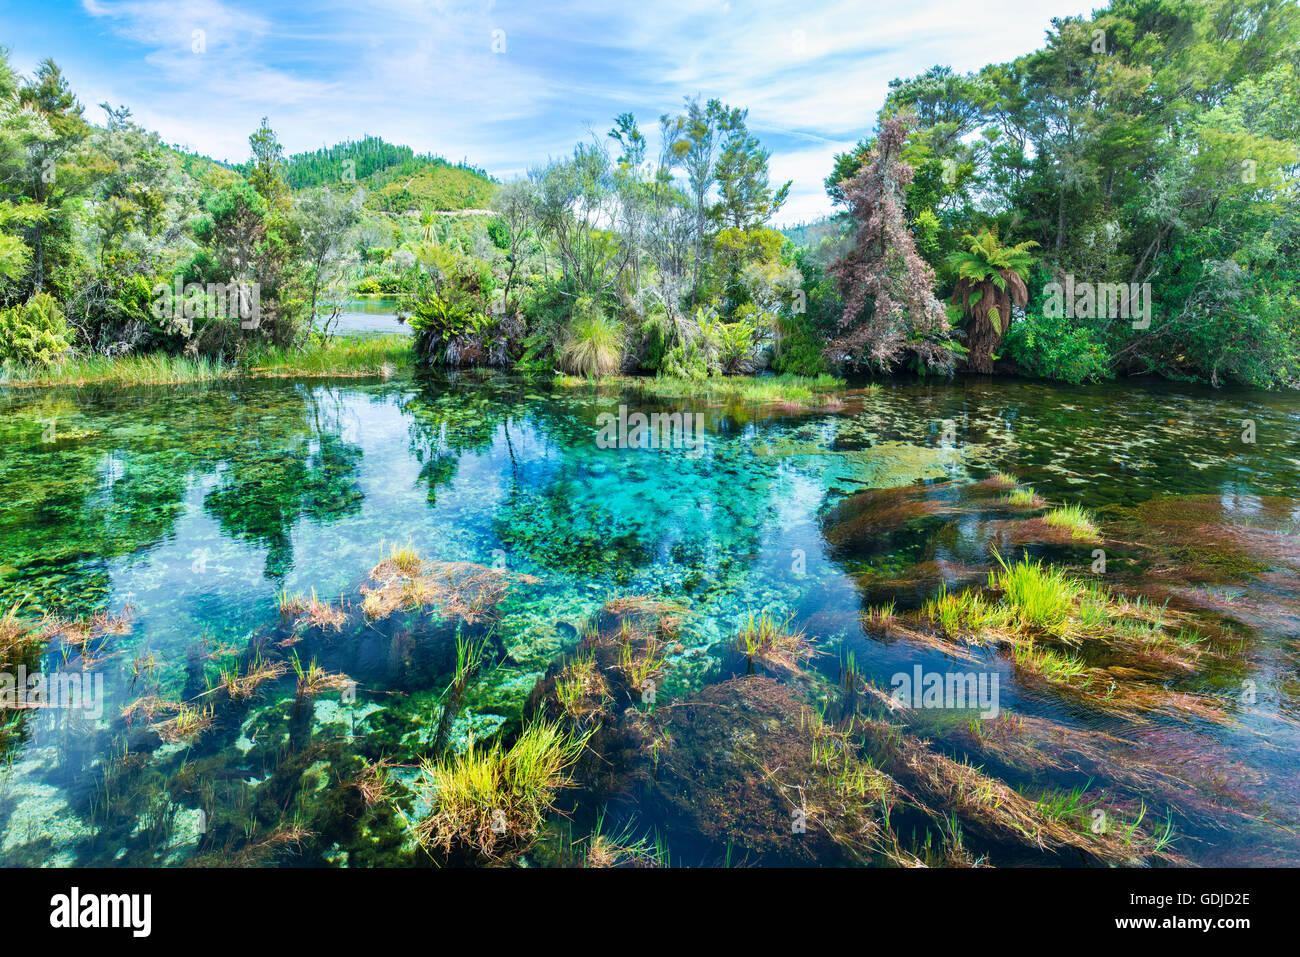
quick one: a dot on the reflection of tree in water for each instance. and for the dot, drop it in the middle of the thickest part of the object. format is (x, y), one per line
(449, 420)
(114, 481)
(305, 470)
(73, 498)
(541, 517)
(548, 515)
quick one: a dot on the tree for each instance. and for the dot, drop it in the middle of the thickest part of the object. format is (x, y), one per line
(516, 209)
(746, 198)
(890, 310)
(695, 148)
(267, 172)
(51, 174)
(326, 220)
(576, 210)
(990, 279)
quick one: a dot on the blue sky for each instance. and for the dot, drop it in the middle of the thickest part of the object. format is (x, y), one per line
(436, 76)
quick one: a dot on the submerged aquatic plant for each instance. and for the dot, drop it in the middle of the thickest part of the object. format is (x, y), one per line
(240, 686)
(1109, 651)
(622, 849)
(297, 609)
(763, 639)
(292, 605)
(640, 657)
(580, 687)
(18, 633)
(1062, 805)
(1049, 664)
(461, 590)
(313, 679)
(373, 782)
(469, 658)
(945, 787)
(189, 722)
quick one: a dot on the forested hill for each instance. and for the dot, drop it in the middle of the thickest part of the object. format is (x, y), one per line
(350, 160)
(395, 178)
(811, 233)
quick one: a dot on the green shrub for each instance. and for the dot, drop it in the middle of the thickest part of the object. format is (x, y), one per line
(800, 354)
(34, 333)
(735, 342)
(453, 323)
(1053, 349)
(545, 309)
(656, 339)
(685, 362)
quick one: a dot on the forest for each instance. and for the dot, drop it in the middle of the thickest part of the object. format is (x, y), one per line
(1144, 159)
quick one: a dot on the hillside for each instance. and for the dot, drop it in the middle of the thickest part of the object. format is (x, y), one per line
(424, 182)
(395, 178)
(811, 233)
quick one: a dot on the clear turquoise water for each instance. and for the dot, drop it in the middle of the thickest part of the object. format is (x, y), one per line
(196, 506)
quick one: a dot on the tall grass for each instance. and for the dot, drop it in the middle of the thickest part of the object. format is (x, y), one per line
(341, 356)
(787, 389)
(594, 347)
(491, 801)
(150, 369)
(350, 356)
(1039, 596)
(791, 389)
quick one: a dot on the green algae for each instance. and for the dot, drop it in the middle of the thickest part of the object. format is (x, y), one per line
(885, 465)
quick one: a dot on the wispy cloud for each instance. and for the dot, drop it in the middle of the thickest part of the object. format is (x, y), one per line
(507, 84)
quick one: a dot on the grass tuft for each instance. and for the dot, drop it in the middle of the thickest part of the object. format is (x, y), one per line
(1036, 595)
(1023, 498)
(1078, 520)
(490, 802)
(764, 639)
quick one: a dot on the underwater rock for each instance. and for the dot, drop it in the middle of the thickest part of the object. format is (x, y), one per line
(746, 765)
(617, 666)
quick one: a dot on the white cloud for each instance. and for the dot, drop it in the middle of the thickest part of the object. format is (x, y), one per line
(171, 24)
(423, 72)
